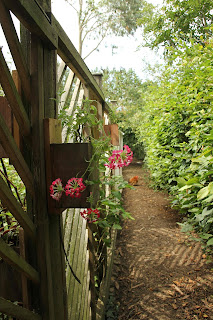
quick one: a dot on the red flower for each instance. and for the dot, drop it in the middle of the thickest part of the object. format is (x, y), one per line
(74, 186)
(56, 189)
(91, 215)
(120, 158)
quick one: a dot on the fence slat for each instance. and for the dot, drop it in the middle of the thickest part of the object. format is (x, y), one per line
(15, 208)
(15, 48)
(14, 259)
(15, 155)
(77, 291)
(60, 73)
(71, 57)
(67, 89)
(13, 97)
(85, 286)
(20, 313)
(34, 19)
(74, 285)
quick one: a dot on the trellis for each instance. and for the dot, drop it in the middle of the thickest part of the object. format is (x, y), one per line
(49, 291)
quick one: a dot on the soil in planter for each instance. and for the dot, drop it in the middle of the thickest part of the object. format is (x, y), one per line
(159, 273)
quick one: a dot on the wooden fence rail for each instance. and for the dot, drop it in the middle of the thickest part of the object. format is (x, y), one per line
(49, 289)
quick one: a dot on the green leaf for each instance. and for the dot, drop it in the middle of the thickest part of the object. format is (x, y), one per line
(117, 194)
(117, 227)
(181, 182)
(210, 242)
(210, 187)
(203, 193)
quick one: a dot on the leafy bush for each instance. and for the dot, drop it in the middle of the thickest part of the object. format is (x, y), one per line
(176, 128)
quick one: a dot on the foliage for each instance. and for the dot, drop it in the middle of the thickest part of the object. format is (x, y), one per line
(108, 203)
(99, 18)
(176, 127)
(8, 224)
(125, 92)
(177, 20)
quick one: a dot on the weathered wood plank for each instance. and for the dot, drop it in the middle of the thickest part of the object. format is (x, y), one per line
(75, 97)
(68, 230)
(71, 257)
(85, 276)
(67, 89)
(105, 285)
(25, 295)
(77, 292)
(32, 17)
(6, 112)
(60, 73)
(15, 208)
(15, 127)
(92, 280)
(73, 103)
(13, 97)
(15, 48)
(74, 285)
(40, 201)
(15, 155)
(9, 255)
(20, 313)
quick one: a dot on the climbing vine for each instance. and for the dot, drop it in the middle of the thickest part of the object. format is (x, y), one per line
(106, 210)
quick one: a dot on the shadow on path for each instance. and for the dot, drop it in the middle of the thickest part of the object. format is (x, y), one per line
(159, 273)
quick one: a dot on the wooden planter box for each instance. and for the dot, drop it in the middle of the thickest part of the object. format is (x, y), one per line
(67, 161)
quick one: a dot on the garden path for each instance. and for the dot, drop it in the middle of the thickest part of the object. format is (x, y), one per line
(159, 273)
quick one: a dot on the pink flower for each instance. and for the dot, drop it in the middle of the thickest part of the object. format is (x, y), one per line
(74, 187)
(120, 158)
(91, 215)
(56, 189)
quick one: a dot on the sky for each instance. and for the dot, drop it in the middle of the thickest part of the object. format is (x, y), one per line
(126, 55)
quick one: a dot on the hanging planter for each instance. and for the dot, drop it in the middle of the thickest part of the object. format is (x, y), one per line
(66, 164)
(69, 162)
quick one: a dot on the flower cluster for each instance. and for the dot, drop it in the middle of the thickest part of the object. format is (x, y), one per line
(73, 188)
(120, 158)
(56, 189)
(91, 215)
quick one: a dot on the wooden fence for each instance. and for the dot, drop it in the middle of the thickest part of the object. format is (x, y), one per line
(48, 289)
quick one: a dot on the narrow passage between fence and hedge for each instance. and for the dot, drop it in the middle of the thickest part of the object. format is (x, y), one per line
(159, 273)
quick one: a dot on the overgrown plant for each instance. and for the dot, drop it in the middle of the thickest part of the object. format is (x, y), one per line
(106, 209)
(9, 227)
(176, 128)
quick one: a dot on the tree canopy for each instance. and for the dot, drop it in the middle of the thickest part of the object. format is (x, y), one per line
(99, 18)
(185, 20)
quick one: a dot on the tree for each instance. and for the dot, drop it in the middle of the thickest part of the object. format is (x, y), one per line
(99, 18)
(129, 93)
(124, 87)
(177, 20)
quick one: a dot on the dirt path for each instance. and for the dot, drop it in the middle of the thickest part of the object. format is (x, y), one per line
(159, 273)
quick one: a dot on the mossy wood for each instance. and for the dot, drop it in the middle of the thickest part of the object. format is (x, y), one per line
(13, 97)
(14, 259)
(20, 313)
(15, 208)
